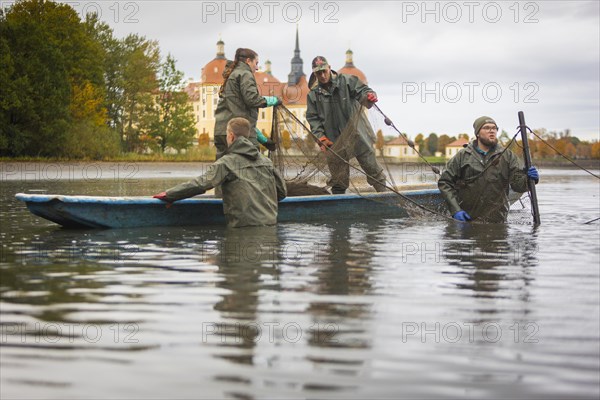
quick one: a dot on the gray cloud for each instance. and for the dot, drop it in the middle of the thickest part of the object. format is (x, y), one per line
(552, 44)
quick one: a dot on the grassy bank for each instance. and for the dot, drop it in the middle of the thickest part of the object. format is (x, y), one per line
(545, 162)
(197, 154)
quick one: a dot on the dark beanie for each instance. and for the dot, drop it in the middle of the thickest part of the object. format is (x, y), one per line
(481, 121)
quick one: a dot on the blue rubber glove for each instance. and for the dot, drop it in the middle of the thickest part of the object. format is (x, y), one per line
(262, 139)
(533, 173)
(272, 101)
(462, 216)
(265, 141)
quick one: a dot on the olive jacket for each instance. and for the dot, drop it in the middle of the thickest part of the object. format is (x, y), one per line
(480, 184)
(251, 186)
(332, 110)
(240, 98)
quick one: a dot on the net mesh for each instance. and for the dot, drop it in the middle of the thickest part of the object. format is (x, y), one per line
(310, 171)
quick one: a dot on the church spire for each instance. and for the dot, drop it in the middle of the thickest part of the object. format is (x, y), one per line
(297, 63)
(220, 49)
(349, 61)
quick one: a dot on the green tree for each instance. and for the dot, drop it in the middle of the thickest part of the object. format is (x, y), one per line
(173, 118)
(139, 67)
(113, 61)
(9, 96)
(130, 79)
(432, 143)
(50, 60)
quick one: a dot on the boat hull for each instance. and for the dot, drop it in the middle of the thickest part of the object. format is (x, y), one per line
(129, 212)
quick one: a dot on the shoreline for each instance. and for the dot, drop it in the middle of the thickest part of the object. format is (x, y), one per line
(561, 163)
(133, 171)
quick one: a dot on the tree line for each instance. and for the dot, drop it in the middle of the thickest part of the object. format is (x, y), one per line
(543, 145)
(70, 88)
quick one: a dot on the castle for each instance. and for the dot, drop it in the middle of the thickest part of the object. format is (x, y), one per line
(204, 94)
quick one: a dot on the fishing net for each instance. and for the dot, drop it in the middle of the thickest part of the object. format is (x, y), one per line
(310, 171)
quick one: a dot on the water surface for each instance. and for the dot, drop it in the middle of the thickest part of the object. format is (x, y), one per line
(389, 308)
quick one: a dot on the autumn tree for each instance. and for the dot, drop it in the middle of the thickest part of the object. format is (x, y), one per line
(203, 140)
(380, 142)
(595, 150)
(584, 150)
(443, 141)
(309, 144)
(286, 140)
(420, 142)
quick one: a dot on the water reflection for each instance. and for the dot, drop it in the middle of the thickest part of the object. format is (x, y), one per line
(344, 260)
(266, 321)
(495, 265)
(488, 255)
(342, 313)
(247, 260)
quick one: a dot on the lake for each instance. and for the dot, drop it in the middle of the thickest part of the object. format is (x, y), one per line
(355, 308)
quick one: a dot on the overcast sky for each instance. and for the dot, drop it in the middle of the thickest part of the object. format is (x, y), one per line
(436, 65)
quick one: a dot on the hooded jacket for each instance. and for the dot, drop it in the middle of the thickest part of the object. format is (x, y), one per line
(331, 110)
(251, 186)
(240, 98)
(484, 196)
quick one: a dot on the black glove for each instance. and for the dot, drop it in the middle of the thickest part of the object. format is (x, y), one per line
(270, 145)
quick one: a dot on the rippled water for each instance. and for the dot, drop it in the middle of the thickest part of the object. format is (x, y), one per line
(390, 308)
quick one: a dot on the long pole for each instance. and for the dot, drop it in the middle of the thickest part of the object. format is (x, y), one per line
(527, 156)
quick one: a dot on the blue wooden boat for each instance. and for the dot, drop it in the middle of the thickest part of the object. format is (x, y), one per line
(129, 212)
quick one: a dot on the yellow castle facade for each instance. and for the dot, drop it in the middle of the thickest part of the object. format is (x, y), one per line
(204, 94)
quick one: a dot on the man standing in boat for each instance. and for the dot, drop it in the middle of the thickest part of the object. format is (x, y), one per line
(250, 184)
(335, 114)
(476, 181)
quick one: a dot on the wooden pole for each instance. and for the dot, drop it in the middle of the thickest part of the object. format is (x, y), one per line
(530, 182)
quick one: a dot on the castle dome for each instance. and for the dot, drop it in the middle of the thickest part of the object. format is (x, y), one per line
(213, 71)
(350, 69)
(296, 94)
(267, 84)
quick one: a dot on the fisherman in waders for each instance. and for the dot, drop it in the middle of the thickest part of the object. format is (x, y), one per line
(476, 181)
(250, 184)
(333, 109)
